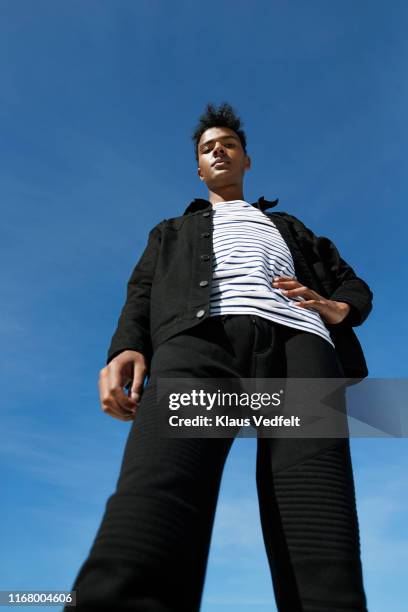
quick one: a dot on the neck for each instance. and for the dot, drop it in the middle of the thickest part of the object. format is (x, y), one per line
(225, 194)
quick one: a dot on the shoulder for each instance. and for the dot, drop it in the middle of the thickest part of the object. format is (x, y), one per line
(164, 223)
(297, 224)
(176, 223)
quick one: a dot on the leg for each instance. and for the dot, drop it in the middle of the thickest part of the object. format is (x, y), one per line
(307, 499)
(150, 552)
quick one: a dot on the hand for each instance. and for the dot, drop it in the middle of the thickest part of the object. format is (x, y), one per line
(127, 367)
(331, 311)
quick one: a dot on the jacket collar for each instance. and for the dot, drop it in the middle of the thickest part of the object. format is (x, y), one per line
(201, 204)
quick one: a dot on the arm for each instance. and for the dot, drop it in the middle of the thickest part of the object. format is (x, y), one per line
(130, 351)
(348, 287)
(133, 327)
(335, 275)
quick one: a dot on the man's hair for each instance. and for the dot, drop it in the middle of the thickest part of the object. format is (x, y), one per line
(224, 116)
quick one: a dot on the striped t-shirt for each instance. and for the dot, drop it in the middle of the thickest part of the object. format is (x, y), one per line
(249, 252)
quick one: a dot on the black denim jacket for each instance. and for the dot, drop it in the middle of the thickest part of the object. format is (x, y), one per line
(169, 288)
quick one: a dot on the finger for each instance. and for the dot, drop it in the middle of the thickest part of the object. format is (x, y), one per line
(313, 304)
(111, 407)
(109, 404)
(284, 279)
(120, 417)
(136, 388)
(116, 384)
(126, 403)
(301, 291)
(287, 284)
(135, 396)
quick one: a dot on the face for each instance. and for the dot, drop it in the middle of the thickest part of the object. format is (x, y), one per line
(216, 144)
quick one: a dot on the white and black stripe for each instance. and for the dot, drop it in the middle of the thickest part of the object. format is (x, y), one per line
(249, 252)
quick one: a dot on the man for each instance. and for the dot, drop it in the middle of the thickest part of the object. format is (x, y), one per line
(228, 290)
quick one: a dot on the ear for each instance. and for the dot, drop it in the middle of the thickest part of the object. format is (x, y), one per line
(199, 173)
(247, 162)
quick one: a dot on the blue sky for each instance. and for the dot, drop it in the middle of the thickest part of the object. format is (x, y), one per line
(97, 106)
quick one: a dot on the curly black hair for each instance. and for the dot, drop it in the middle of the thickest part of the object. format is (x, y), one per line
(224, 116)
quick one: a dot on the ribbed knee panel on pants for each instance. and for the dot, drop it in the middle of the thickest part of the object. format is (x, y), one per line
(315, 541)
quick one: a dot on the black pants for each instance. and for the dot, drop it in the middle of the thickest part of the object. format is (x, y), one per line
(151, 550)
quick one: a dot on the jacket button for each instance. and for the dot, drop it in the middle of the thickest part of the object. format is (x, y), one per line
(205, 235)
(203, 283)
(204, 257)
(200, 313)
(206, 214)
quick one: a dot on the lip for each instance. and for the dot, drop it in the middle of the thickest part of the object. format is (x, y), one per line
(220, 161)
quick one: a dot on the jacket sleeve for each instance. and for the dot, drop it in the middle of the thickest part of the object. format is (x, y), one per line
(335, 275)
(348, 287)
(133, 327)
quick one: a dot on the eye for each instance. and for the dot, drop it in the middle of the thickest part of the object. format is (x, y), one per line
(209, 147)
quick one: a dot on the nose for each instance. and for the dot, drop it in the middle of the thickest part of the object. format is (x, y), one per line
(218, 147)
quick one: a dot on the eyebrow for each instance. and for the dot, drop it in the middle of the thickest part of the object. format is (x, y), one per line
(221, 138)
